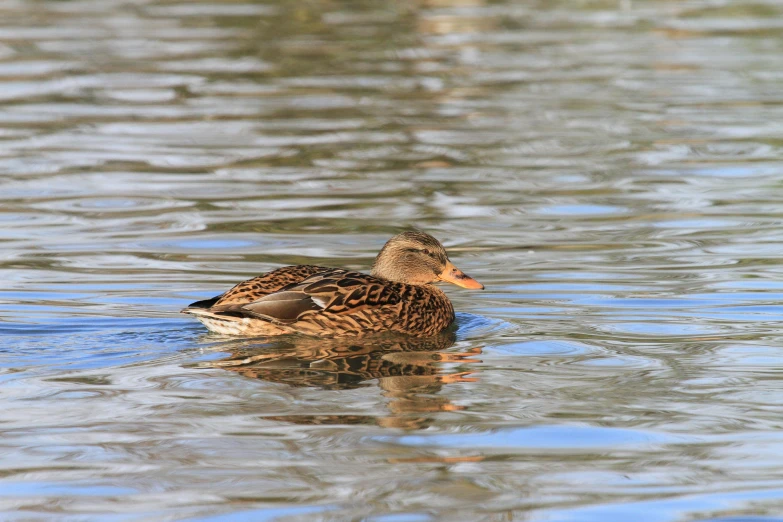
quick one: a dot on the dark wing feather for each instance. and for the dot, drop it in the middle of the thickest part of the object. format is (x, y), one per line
(206, 303)
(285, 306)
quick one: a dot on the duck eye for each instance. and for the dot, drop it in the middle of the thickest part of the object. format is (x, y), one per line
(426, 251)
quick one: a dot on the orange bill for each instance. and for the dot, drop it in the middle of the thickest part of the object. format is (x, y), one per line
(454, 275)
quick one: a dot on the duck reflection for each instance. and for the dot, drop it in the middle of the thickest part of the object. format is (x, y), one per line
(408, 370)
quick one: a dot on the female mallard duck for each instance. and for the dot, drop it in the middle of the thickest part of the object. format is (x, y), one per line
(399, 296)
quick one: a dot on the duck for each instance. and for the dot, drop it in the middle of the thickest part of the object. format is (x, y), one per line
(399, 295)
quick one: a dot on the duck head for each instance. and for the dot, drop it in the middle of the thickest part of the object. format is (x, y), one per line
(417, 258)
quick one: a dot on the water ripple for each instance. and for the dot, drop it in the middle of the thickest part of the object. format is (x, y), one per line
(609, 171)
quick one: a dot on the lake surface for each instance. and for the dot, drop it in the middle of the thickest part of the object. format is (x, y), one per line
(611, 171)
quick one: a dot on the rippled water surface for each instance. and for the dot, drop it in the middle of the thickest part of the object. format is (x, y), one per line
(611, 171)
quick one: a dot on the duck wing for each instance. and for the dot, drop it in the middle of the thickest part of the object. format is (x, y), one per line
(258, 287)
(334, 292)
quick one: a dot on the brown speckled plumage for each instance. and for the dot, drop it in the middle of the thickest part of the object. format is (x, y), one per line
(256, 288)
(333, 302)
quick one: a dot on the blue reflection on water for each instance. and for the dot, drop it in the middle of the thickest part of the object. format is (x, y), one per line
(542, 437)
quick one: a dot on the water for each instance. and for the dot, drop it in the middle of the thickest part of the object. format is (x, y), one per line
(609, 170)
